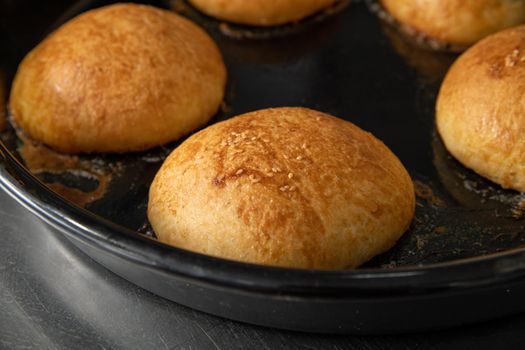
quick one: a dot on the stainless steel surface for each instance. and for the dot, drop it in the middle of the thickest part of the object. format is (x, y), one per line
(52, 296)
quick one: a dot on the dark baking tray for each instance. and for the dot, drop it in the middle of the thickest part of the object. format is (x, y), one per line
(461, 261)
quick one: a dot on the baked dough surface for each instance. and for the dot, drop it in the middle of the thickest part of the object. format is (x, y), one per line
(457, 22)
(480, 111)
(119, 78)
(261, 12)
(289, 187)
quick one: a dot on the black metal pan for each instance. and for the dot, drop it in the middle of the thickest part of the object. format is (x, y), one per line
(462, 260)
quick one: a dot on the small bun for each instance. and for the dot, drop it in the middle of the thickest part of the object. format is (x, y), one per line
(457, 22)
(480, 111)
(261, 12)
(119, 78)
(287, 187)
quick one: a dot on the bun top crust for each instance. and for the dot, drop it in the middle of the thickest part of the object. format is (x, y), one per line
(480, 111)
(286, 186)
(119, 78)
(457, 22)
(261, 12)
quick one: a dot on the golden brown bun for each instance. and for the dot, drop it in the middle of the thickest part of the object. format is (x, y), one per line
(261, 12)
(119, 78)
(287, 187)
(480, 111)
(457, 22)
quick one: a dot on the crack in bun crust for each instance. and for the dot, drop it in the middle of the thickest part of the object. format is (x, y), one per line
(288, 187)
(119, 78)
